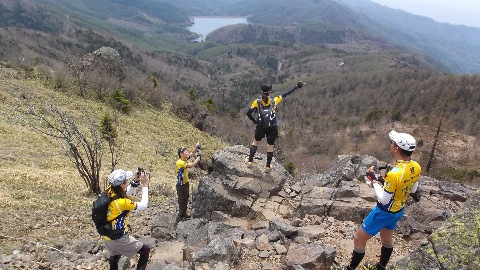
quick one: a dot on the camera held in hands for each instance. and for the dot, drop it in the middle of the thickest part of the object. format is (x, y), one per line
(136, 180)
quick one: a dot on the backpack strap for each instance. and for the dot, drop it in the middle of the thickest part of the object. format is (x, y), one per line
(124, 213)
(260, 103)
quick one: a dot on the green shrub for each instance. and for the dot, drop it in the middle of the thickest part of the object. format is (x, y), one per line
(396, 115)
(290, 168)
(107, 128)
(210, 105)
(191, 94)
(154, 80)
(120, 102)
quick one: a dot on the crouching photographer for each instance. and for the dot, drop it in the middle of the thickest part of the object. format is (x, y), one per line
(117, 216)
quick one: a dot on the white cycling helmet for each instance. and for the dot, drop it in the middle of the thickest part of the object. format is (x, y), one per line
(403, 140)
(119, 176)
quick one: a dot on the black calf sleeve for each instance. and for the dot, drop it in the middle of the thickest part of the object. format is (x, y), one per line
(113, 260)
(269, 158)
(143, 260)
(385, 254)
(253, 150)
(356, 259)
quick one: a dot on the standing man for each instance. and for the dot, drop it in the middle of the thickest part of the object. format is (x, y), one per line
(117, 215)
(181, 170)
(266, 121)
(391, 197)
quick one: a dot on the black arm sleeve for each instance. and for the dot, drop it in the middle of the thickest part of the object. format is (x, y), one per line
(249, 114)
(290, 91)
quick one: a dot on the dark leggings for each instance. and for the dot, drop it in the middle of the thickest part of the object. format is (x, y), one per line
(142, 261)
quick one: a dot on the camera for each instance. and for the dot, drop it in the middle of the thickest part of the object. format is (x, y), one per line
(140, 170)
(136, 181)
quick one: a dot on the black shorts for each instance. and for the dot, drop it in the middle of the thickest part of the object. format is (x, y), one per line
(271, 133)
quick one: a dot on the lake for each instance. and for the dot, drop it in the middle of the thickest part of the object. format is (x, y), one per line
(205, 25)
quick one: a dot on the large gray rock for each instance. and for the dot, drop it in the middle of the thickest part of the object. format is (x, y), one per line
(163, 227)
(235, 189)
(282, 226)
(335, 193)
(213, 242)
(310, 256)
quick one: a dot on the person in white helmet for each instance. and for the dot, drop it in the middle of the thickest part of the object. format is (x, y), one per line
(118, 214)
(391, 197)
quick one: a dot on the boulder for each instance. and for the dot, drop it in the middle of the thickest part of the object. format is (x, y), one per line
(213, 242)
(163, 226)
(310, 256)
(455, 245)
(236, 189)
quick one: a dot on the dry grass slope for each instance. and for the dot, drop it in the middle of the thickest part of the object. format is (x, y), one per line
(43, 197)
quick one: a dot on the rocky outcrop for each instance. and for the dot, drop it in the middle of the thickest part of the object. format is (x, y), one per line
(235, 189)
(335, 193)
(455, 244)
(246, 219)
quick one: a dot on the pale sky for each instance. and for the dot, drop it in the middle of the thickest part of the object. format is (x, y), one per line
(466, 12)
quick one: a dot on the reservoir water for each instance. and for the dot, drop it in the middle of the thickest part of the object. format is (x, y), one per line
(205, 25)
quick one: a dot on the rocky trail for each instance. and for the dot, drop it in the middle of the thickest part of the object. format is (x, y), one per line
(243, 218)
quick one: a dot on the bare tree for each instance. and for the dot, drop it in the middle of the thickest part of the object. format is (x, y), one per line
(436, 137)
(84, 149)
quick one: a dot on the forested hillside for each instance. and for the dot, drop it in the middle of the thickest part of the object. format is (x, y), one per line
(359, 84)
(453, 46)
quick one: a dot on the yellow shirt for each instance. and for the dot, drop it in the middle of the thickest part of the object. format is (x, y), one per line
(277, 99)
(399, 181)
(181, 171)
(115, 208)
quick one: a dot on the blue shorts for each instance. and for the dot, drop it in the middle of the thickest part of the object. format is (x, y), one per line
(378, 219)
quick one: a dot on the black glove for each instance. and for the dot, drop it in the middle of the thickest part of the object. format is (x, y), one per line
(416, 196)
(135, 183)
(371, 176)
(300, 84)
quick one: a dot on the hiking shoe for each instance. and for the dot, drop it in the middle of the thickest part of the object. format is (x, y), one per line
(249, 163)
(340, 268)
(371, 266)
(268, 169)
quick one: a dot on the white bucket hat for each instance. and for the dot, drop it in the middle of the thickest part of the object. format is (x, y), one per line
(119, 176)
(403, 140)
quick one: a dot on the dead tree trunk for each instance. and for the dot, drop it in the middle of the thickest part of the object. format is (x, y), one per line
(436, 138)
(84, 149)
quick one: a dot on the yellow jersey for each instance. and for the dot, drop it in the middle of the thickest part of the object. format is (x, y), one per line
(181, 171)
(115, 208)
(277, 99)
(398, 182)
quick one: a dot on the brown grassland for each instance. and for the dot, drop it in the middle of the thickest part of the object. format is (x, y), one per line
(44, 199)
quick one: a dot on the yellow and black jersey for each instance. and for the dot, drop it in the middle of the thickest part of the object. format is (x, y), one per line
(398, 182)
(115, 208)
(181, 172)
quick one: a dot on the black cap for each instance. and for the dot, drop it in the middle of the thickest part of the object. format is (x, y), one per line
(181, 150)
(266, 88)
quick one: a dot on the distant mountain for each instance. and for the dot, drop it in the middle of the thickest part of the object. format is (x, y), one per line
(456, 46)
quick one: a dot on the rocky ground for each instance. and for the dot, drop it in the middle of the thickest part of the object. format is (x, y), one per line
(72, 250)
(59, 239)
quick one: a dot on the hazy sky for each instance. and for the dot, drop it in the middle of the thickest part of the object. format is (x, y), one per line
(466, 12)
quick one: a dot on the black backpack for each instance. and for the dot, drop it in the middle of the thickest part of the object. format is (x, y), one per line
(266, 114)
(99, 216)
